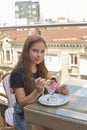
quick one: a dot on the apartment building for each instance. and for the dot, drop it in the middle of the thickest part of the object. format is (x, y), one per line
(27, 11)
(66, 55)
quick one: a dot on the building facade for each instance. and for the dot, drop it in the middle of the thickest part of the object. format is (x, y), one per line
(66, 56)
(28, 11)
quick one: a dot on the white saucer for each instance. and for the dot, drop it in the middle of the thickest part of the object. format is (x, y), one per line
(53, 100)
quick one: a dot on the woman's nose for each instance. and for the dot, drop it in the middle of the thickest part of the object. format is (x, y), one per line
(39, 54)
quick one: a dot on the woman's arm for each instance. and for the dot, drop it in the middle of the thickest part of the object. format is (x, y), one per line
(63, 89)
(24, 100)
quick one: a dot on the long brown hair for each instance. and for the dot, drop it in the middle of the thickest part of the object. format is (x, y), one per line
(24, 63)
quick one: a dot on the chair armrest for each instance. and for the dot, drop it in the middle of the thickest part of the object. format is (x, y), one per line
(3, 95)
(3, 105)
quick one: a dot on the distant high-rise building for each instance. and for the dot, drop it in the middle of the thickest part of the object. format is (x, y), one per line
(28, 10)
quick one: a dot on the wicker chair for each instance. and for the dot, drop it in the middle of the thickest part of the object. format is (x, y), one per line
(3, 107)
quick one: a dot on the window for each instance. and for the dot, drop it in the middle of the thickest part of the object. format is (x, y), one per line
(33, 12)
(83, 64)
(33, 6)
(74, 59)
(18, 54)
(29, 6)
(8, 55)
(52, 62)
(16, 8)
(30, 11)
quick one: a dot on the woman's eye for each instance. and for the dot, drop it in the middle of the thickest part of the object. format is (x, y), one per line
(35, 50)
(43, 51)
(38, 51)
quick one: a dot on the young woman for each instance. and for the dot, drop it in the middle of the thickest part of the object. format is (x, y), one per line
(29, 77)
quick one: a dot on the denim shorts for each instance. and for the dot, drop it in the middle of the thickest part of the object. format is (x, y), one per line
(18, 117)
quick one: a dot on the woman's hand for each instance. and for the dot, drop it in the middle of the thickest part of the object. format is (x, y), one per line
(63, 89)
(40, 84)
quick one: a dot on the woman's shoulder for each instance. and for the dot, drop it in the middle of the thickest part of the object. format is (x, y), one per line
(16, 78)
(16, 72)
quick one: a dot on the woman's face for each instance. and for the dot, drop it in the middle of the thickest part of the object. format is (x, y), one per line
(37, 53)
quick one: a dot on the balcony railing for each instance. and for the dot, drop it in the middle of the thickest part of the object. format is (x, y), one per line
(42, 25)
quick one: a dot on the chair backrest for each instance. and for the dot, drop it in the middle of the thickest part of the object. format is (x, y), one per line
(11, 100)
(7, 88)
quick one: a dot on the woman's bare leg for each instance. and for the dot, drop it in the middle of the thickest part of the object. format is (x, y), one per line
(40, 128)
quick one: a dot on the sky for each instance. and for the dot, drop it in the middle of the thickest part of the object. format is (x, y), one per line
(72, 9)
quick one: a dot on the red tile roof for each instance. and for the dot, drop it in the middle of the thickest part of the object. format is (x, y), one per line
(67, 34)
